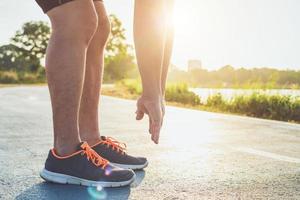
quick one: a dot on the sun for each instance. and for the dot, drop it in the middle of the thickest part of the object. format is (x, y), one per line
(183, 17)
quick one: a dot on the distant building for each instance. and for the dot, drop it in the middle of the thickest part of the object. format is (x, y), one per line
(194, 64)
(173, 67)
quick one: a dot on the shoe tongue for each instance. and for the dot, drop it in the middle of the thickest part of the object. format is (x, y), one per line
(103, 138)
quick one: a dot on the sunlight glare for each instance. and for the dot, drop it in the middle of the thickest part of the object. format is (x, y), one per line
(184, 17)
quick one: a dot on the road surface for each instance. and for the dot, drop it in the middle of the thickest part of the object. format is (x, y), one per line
(201, 155)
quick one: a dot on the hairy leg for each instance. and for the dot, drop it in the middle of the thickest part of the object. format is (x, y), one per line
(88, 118)
(73, 25)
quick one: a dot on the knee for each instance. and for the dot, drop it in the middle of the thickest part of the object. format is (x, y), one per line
(88, 28)
(78, 29)
(103, 31)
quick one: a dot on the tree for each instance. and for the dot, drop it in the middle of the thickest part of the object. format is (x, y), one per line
(119, 59)
(11, 58)
(32, 39)
(26, 48)
(117, 40)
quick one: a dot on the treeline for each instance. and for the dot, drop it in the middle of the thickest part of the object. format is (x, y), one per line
(229, 77)
(20, 60)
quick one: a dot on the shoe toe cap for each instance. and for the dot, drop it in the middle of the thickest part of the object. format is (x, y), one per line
(142, 160)
(118, 174)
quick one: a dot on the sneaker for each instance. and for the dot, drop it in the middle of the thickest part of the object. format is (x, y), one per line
(85, 167)
(115, 152)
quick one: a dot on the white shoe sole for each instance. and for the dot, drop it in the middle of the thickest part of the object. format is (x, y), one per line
(66, 179)
(133, 167)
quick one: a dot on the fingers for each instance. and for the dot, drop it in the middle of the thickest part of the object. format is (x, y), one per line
(155, 123)
(140, 112)
(155, 112)
(139, 115)
(150, 126)
(155, 131)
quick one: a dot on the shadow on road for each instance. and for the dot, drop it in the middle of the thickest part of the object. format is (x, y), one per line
(50, 191)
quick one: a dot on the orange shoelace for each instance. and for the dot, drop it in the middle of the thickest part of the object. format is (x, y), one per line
(117, 146)
(93, 156)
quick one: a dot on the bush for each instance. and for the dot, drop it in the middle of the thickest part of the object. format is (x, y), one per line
(295, 109)
(257, 105)
(278, 107)
(131, 85)
(13, 77)
(175, 92)
(216, 101)
(7, 77)
(180, 93)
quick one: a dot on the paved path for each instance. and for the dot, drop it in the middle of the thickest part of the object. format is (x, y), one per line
(201, 155)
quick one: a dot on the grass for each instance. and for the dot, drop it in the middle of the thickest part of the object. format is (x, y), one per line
(276, 107)
(13, 77)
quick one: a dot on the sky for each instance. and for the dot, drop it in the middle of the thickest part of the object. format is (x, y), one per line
(241, 33)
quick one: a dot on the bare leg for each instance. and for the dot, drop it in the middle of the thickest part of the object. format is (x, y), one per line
(73, 25)
(88, 118)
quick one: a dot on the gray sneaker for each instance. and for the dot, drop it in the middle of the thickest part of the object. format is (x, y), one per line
(85, 167)
(115, 152)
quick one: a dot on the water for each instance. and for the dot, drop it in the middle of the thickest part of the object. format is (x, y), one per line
(204, 93)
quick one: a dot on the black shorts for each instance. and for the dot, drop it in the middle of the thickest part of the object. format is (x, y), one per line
(47, 5)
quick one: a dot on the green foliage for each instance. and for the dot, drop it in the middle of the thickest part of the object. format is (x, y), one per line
(215, 100)
(118, 67)
(278, 107)
(174, 92)
(32, 39)
(117, 41)
(119, 59)
(13, 77)
(8, 77)
(28, 46)
(133, 86)
(229, 77)
(20, 60)
(180, 93)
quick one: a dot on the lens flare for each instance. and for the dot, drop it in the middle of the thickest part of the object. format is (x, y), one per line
(97, 192)
(107, 171)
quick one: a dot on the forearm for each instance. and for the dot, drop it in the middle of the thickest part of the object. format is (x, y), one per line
(149, 38)
(167, 57)
(169, 10)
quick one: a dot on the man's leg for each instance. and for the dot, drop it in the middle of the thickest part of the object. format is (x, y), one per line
(106, 147)
(88, 118)
(73, 25)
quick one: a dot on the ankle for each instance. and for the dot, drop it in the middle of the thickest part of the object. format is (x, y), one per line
(65, 149)
(91, 140)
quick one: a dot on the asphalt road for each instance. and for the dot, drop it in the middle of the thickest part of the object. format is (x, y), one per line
(201, 155)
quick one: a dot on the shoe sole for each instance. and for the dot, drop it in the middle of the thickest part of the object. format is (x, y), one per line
(66, 179)
(133, 167)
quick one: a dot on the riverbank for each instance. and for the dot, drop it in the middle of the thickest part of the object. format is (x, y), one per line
(275, 107)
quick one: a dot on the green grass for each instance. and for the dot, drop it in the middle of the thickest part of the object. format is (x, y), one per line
(180, 93)
(276, 107)
(13, 77)
(174, 92)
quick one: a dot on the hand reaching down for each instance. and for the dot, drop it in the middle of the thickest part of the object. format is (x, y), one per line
(154, 108)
